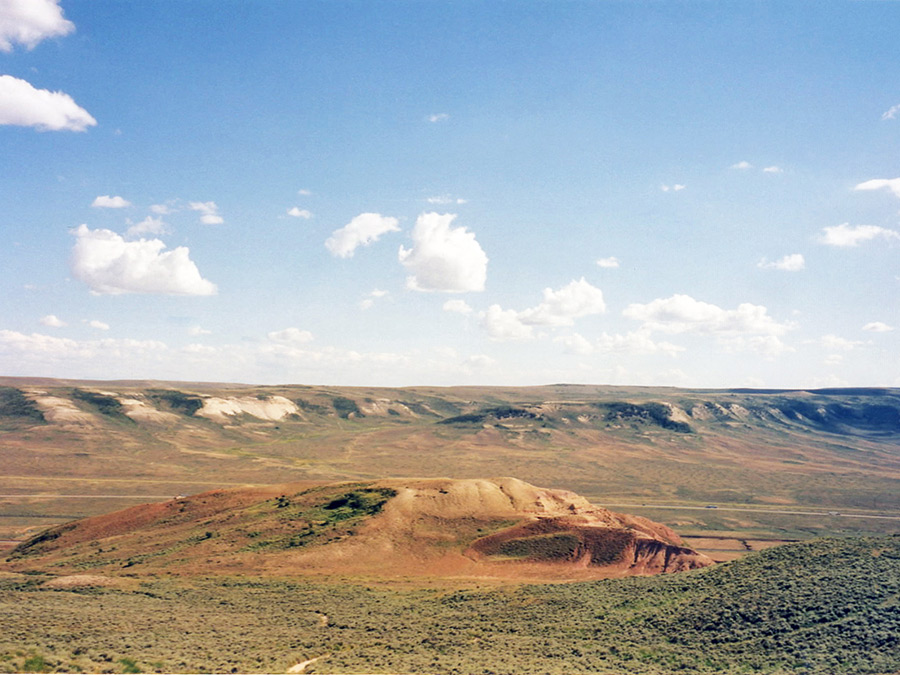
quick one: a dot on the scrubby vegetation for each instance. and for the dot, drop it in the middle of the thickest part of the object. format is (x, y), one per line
(823, 607)
(36, 544)
(345, 407)
(652, 413)
(497, 413)
(310, 407)
(176, 401)
(880, 418)
(543, 547)
(319, 515)
(102, 403)
(15, 406)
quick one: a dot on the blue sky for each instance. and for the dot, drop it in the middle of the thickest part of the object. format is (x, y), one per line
(396, 193)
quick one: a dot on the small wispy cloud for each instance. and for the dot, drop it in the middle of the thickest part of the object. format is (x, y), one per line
(369, 301)
(98, 325)
(892, 184)
(845, 235)
(362, 230)
(162, 209)
(198, 330)
(297, 212)
(304, 192)
(672, 188)
(148, 225)
(891, 113)
(457, 307)
(745, 165)
(789, 263)
(877, 327)
(209, 212)
(635, 342)
(609, 263)
(443, 200)
(291, 335)
(837, 343)
(52, 321)
(438, 117)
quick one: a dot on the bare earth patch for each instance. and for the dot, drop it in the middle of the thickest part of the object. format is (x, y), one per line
(85, 581)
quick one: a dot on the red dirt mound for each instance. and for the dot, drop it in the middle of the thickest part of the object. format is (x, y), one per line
(398, 527)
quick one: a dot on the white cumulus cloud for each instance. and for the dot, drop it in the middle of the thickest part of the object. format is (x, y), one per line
(110, 265)
(504, 324)
(27, 22)
(52, 321)
(560, 308)
(23, 105)
(684, 314)
(773, 169)
(892, 184)
(844, 235)
(99, 325)
(789, 263)
(363, 230)
(209, 212)
(107, 202)
(608, 263)
(742, 165)
(443, 258)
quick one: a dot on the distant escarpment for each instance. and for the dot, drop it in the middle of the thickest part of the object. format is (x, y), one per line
(396, 527)
(851, 411)
(828, 449)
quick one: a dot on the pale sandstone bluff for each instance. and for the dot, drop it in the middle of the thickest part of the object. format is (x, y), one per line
(272, 408)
